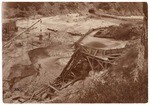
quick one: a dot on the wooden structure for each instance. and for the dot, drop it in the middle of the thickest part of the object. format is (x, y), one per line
(89, 57)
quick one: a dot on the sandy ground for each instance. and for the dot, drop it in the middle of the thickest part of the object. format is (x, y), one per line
(68, 23)
(52, 66)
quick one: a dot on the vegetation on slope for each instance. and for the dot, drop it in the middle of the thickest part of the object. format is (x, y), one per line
(26, 9)
(125, 82)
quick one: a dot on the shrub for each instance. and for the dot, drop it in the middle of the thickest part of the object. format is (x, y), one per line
(120, 88)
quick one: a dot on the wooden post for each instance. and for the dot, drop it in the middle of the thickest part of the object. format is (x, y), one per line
(90, 63)
(69, 63)
(101, 64)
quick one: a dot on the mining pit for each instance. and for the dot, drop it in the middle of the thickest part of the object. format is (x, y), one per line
(44, 59)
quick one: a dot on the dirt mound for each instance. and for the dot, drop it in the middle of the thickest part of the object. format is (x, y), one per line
(122, 32)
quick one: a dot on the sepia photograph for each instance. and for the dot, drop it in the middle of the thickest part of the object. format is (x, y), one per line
(74, 52)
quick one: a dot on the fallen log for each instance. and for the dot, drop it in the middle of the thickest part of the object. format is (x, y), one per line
(52, 30)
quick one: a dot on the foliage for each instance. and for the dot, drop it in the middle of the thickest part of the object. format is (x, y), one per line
(41, 8)
(120, 88)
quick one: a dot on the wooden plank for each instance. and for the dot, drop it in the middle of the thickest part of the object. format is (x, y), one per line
(73, 74)
(78, 41)
(111, 57)
(72, 66)
(86, 54)
(90, 63)
(95, 67)
(95, 52)
(118, 54)
(101, 65)
(96, 58)
(90, 50)
(69, 63)
(53, 88)
(84, 49)
(73, 81)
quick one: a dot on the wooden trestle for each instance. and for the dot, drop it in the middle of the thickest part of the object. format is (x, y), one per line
(86, 59)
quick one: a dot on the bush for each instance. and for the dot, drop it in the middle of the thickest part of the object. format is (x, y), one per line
(92, 11)
(120, 88)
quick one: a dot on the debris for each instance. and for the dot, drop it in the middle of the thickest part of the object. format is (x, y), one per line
(74, 34)
(53, 88)
(52, 30)
(73, 81)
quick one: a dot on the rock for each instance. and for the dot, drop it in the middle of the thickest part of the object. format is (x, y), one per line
(5, 86)
(7, 100)
(16, 101)
(7, 95)
(44, 95)
(16, 96)
(18, 72)
(21, 100)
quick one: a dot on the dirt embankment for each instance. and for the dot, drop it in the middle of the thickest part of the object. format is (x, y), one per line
(115, 84)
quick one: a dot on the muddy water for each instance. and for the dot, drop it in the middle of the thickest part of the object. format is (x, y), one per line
(95, 45)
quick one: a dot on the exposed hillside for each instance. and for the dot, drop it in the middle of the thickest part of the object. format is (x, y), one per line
(25, 9)
(75, 53)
